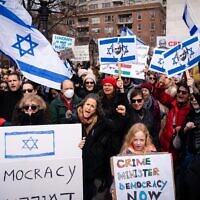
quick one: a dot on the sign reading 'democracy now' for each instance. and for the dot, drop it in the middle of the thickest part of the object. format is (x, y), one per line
(40, 162)
(144, 177)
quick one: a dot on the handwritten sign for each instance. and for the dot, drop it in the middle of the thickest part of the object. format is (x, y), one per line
(61, 42)
(81, 53)
(41, 162)
(144, 177)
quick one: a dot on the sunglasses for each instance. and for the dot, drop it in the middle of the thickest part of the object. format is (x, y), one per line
(182, 91)
(32, 107)
(89, 82)
(27, 90)
(136, 100)
(152, 78)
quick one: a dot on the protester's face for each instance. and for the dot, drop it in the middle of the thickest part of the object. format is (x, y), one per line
(126, 81)
(30, 107)
(89, 108)
(139, 141)
(182, 95)
(28, 89)
(5, 77)
(194, 103)
(108, 89)
(54, 93)
(137, 102)
(4, 86)
(152, 79)
(89, 84)
(13, 83)
(146, 93)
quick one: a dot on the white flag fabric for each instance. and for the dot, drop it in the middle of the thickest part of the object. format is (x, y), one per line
(189, 22)
(117, 50)
(30, 50)
(157, 61)
(125, 31)
(18, 10)
(182, 57)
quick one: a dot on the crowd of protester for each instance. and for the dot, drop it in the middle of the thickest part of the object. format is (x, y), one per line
(167, 110)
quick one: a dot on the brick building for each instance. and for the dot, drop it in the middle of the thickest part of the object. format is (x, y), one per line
(99, 19)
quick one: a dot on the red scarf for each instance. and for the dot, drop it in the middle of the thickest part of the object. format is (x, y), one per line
(68, 104)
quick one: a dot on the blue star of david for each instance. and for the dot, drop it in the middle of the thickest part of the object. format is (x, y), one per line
(3, 2)
(30, 144)
(161, 61)
(110, 50)
(175, 59)
(24, 40)
(190, 51)
(125, 48)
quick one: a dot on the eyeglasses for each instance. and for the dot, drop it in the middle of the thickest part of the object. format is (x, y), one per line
(152, 78)
(182, 91)
(27, 90)
(89, 82)
(3, 87)
(32, 107)
(136, 100)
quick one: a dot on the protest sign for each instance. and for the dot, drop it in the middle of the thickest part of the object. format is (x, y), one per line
(127, 70)
(144, 177)
(81, 53)
(61, 42)
(117, 50)
(40, 162)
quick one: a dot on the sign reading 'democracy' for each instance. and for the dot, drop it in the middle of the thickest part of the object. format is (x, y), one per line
(117, 50)
(61, 42)
(144, 177)
(41, 162)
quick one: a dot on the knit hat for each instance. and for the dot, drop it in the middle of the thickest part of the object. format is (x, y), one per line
(147, 85)
(110, 80)
(82, 72)
(90, 76)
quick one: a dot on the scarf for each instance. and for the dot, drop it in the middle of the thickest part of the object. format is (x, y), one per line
(88, 123)
(68, 104)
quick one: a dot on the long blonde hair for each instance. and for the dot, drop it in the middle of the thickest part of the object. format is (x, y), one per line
(131, 134)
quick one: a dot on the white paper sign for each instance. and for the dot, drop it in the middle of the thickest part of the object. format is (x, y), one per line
(81, 53)
(41, 162)
(61, 42)
(146, 177)
(127, 70)
(53, 179)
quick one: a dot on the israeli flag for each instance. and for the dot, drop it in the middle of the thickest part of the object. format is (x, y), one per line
(18, 10)
(125, 31)
(182, 57)
(157, 61)
(188, 21)
(30, 50)
(117, 50)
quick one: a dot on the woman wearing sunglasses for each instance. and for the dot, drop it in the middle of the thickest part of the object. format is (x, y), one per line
(31, 111)
(137, 113)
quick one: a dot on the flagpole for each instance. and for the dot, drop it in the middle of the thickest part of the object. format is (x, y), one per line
(119, 70)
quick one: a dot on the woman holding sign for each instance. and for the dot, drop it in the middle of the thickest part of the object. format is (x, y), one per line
(96, 148)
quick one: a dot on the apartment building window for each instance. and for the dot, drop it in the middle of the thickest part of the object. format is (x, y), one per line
(139, 27)
(109, 18)
(95, 20)
(81, 8)
(106, 5)
(152, 26)
(108, 29)
(152, 14)
(95, 30)
(93, 6)
(82, 1)
(139, 16)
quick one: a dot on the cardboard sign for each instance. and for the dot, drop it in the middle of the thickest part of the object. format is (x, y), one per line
(144, 177)
(41, 162)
